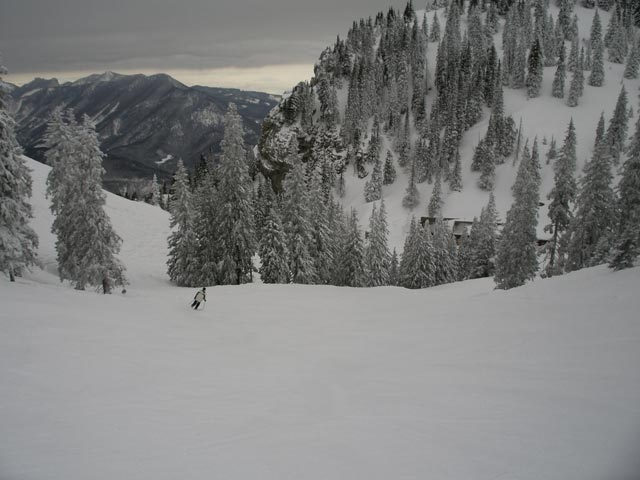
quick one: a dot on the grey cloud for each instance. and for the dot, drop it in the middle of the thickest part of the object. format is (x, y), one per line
(56, 35)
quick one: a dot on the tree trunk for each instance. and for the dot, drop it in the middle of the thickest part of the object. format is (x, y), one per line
(11, 275)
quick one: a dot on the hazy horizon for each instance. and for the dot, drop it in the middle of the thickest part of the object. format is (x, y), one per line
(247, 44)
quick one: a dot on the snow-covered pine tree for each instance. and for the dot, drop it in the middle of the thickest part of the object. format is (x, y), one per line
(435, 203)
(516, 260)
(87, 250)
(273, 251)
(560, 75)
(323, 240)
(575, 88)
(412, 195)
(373, 187)
(416, 265)
(627, 243)
(618, 126)
(483, 240)
(377, 256)
(596, 78)
(581, 72)
(595, 37)
(590, 233)
(588, 58)
(297, 227)
(535, 70)
(562, 198)
(464, 254)
(552, 153)
(182, 241)
(18, 241)
(206, 255)
(618, 43)
(235, 215)
(393, 268)
(352, 265)
(564, 18)
(487, 166)
(549, 42)
(155, 196)
(435, 29)
(574, 56)
(633, 62)
(455, 180)
(519, 66)
(599, 131)
(444, 259)
(389, 170)
(59, 141)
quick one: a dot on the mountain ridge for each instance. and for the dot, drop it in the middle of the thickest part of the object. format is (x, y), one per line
(145, 122)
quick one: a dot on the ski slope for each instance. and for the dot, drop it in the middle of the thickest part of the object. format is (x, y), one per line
(309, 382)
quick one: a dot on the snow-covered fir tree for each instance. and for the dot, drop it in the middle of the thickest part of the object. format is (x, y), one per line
(373, 187)
(207, 253)
(560, 75)
(599, 131)
(444, 253)
(417, 266)
(394, 266)
(633, 61)
(434, 35)
(412, 195)
(18, 241)
(576, 87)
(86, 251)
(455, 179)
(235, 215)
(155, 196)
(590, 233)
(627, 243)
(389, 170)
(322, 246)
(596, 43)
(562, 198)
(376, 254)
(617, 46)
(182, 241)
(352, 264)
(616, 135)
(297, 227)
(516, 261)
(481, 248)
(535, 70)
(435, 203)
(487, 165)
(272, 248)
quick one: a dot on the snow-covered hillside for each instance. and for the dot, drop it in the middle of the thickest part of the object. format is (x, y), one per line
(314, 382)
(544, 117)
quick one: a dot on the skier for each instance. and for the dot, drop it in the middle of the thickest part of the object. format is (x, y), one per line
(200, 297)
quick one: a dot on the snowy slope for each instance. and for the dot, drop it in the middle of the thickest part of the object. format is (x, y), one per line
(544, 117)
(144, 230)
(307, 382)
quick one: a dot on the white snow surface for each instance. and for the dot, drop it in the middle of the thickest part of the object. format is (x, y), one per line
(164, 159)
(310, 382)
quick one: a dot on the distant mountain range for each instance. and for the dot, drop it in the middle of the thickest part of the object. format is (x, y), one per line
(145, 123)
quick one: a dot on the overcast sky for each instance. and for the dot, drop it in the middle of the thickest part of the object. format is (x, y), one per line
(267, 45)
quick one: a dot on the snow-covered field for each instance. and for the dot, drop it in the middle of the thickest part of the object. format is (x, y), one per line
(305, 382)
